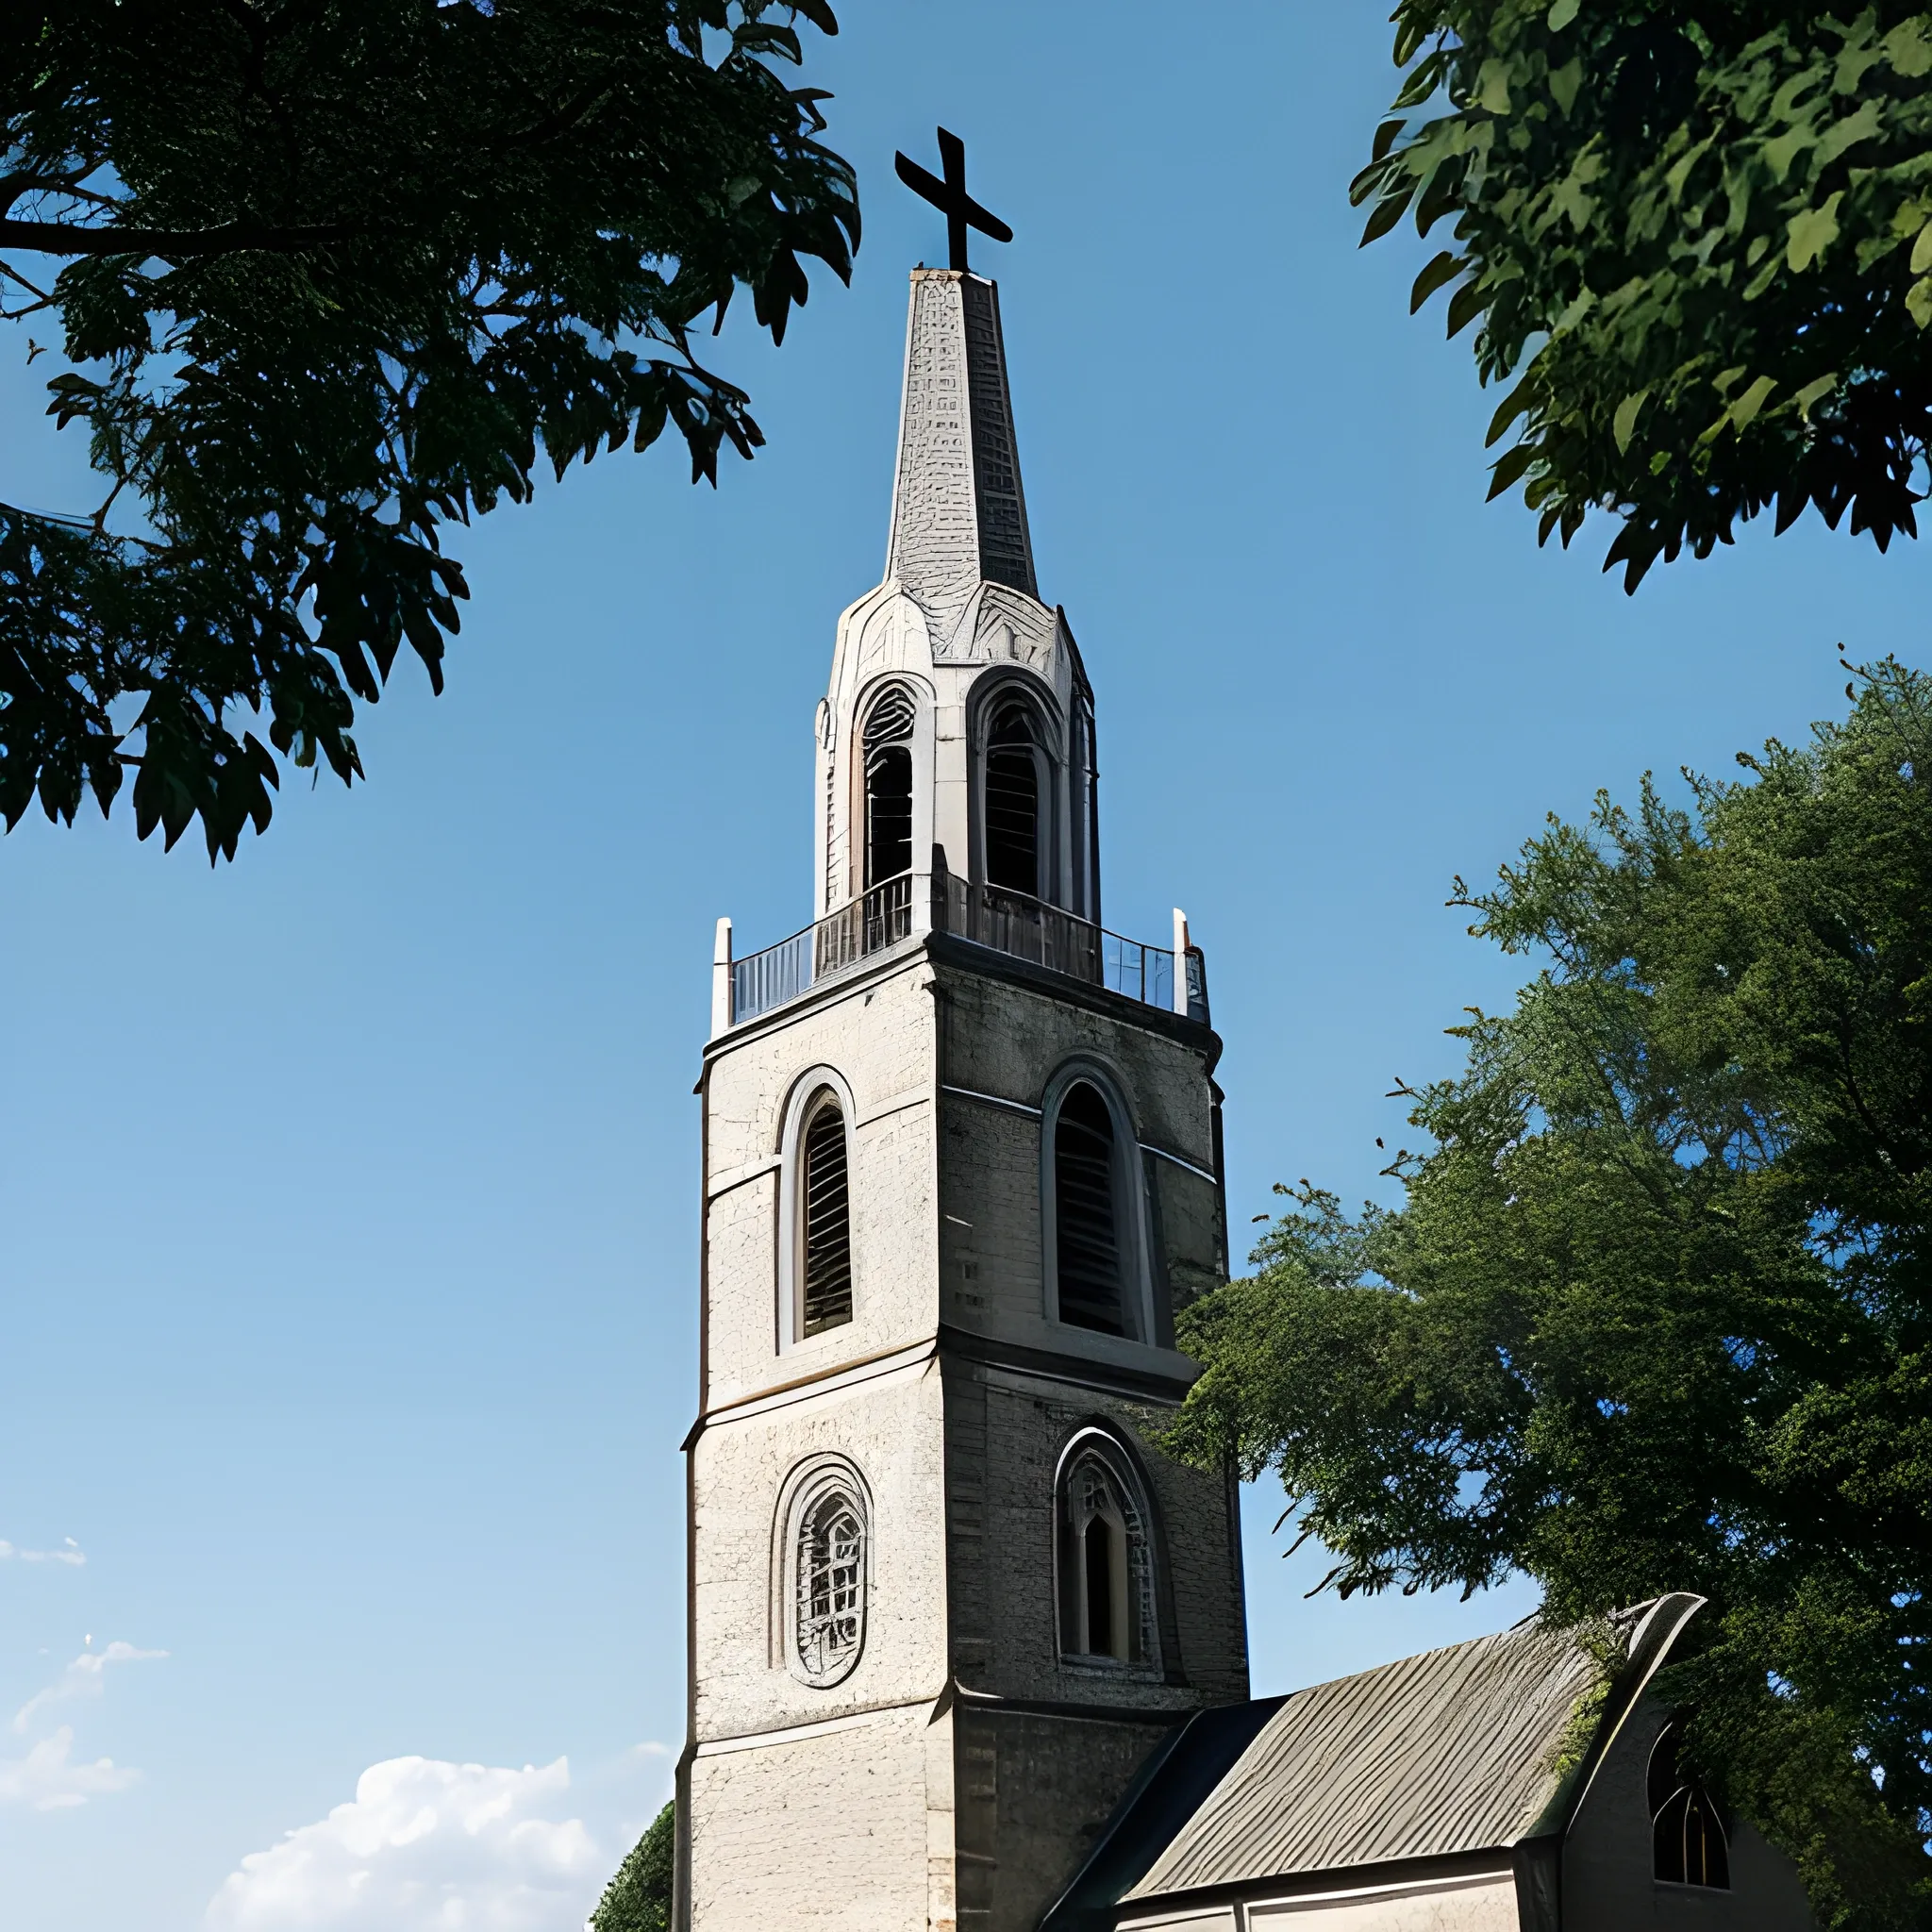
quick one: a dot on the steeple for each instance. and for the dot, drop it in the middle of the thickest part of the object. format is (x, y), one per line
(958, 511)
(962, 1171)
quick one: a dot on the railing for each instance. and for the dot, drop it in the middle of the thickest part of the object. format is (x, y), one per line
(869, 923)
(1011, 923)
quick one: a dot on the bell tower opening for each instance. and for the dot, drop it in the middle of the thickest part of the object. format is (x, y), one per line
(889, 787)
(1012, 802)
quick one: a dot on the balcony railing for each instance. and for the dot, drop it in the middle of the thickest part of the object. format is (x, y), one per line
(1011, 923)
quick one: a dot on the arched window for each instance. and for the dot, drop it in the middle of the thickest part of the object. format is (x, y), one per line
(824, 1216)
(1106, 1556)
(1687, 1836)
(823, 1579)
(889, 786)
(1089, 1278)
(1013, 800)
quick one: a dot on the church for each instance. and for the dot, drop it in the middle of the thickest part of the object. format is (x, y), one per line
(967, 1653)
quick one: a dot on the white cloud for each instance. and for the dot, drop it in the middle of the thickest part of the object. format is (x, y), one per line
(427, 1846)
(69, 1552)
(49, 1780)
(84, 1677)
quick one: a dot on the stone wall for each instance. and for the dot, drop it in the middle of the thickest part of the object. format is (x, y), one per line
(953, 1393)
(828, 1831)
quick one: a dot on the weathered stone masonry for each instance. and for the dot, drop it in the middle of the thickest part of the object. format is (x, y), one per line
(956, 1773)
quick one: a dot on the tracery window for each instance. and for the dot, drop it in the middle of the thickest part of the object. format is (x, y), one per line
(825, 1218)
(1086, 1208)
(825, 1571)
(1013, 796)
(1688, 1841)
(1106, 1556)
(887, 739)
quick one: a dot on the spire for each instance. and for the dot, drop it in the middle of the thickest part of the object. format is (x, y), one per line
(959, 513)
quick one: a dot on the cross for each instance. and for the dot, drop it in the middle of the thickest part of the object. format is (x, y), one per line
(950, 197)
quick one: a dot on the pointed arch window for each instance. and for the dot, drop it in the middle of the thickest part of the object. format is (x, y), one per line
(887, 740)
(824, 1570)
(825, 1218)
(1687, 1841)
(1014, 795)
(1106, 1567)
(1089, 1277)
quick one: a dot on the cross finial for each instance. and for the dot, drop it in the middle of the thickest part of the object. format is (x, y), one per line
(950, 197)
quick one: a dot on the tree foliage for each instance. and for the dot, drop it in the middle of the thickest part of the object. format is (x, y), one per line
(329, 275)
(637, 1899)
(1656, 1312)
(1700, 239)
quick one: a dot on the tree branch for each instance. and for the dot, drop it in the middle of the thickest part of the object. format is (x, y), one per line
(231, 237)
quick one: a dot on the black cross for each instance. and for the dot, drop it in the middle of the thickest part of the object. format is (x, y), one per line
(950, 197)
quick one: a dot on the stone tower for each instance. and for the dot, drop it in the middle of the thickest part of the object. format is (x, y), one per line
(961, 1165)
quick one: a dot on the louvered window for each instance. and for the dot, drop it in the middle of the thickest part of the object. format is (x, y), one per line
(1688, 1843)
(1086, 1243)
(832, 892)
(825, 1216)
(889, 787)
(1012, 803)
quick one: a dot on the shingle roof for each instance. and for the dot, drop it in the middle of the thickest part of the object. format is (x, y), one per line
(1458, 1751)
(1452, 1751)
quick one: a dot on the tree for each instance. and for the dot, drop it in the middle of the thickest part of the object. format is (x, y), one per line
(1699, 238)
(637, 1899)
(329, 275)
(1656, 1312)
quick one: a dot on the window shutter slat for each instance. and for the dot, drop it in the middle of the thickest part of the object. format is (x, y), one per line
(826, 1210)
(1086, 1225)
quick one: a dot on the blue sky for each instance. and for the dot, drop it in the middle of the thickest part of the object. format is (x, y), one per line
(347, 1194)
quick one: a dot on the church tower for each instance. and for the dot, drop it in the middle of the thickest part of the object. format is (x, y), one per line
(961, 1167)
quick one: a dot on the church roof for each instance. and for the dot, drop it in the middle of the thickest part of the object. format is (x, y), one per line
(1447, 1752)
(1470, 1748)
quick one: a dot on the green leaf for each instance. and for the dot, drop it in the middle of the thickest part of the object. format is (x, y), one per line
(1444, 268)
(1678, 174)
(1510, 466)
(1813, 232)
(1863, 126)
(1744, 413)
(1623, 426)
(1822, 386)
(1781, 153)
(1919, 301)
(1921, 250)
(1492, 87)
(1385, 214)
(1509, 408)
(1468, 302)
(1562, 14)
(1564, 83)
(1909, 47)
